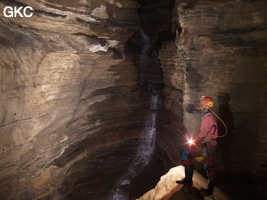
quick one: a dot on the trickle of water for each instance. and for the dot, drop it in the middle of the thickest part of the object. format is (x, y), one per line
(154, 102)
(146, 46)
(147, 143)
(146, 42)
(145, 150)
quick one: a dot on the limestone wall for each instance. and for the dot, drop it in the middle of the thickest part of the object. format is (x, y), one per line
(63, 75)
(221, 52)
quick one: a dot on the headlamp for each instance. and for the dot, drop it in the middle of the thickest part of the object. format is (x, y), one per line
(190, 141)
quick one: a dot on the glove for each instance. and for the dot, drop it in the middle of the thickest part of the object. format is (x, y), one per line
(198, 140)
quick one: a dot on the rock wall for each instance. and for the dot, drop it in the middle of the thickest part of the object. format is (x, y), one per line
(64, 73)
(221, 52)
(72, 108)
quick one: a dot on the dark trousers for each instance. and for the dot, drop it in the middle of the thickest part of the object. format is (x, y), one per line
(196, 151)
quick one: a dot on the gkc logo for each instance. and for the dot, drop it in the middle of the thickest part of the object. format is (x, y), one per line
(20, 11)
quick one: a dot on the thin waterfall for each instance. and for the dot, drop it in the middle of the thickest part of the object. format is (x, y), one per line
(146, 46)
(154, 102)
(145, 149)
(146, 43)
(150, 73)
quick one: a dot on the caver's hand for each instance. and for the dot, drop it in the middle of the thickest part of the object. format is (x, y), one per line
(198, 140)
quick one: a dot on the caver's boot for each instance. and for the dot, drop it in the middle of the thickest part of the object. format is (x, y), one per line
(189, 170)
(211, 185)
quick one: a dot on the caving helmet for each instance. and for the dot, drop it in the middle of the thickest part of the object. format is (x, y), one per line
(206, 102)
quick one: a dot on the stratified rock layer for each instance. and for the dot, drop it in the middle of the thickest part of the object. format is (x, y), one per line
(64, 74)
(226, 58)
(221, 52)
(72, 110)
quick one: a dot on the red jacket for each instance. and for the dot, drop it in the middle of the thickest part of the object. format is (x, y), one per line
(208, 129)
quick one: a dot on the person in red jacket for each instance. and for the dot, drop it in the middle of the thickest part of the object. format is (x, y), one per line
(203, 146)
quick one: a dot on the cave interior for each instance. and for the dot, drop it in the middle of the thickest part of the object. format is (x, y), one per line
(99, 97)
